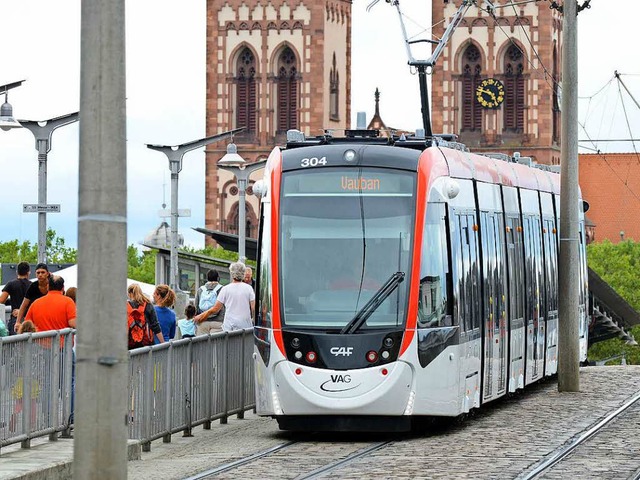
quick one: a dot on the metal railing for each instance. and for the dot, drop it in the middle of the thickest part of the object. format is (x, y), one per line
(172, 387)
(35, 386)
(178, 385)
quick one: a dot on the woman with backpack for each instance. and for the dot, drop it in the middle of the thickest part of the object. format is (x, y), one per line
(206, 297)
(165, 298)
(142, 319)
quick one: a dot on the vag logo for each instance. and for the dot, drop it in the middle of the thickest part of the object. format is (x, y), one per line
(338, 383)
(341, 378)
(341, 351)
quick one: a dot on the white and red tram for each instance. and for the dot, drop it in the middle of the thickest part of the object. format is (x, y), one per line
(398, 281)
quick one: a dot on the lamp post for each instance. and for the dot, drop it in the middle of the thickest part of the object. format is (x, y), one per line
(7, 122)
(174, 154)
(42, 131)
(235, 164)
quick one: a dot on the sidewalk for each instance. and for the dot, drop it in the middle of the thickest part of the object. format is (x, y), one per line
(45, 460)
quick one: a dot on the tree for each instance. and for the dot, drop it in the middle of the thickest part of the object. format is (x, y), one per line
(617, 265)
(14, 251)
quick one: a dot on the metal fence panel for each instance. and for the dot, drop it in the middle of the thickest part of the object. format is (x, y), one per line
(172, 387)
(35, 381)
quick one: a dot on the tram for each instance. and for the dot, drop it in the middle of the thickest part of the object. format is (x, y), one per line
(402, 278)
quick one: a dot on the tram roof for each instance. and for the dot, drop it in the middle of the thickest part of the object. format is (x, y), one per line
(464, 164)
(496, 168)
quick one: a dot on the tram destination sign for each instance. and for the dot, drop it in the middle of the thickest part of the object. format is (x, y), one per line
(37, 208)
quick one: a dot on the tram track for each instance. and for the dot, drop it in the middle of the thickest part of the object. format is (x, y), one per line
(212, 472)
(319, 472)
(563, 453)
(234, 467)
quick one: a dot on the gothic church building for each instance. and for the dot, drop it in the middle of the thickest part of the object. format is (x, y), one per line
(518, 50)
(272, 65)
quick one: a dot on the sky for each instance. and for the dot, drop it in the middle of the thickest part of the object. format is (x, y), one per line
(165, 59)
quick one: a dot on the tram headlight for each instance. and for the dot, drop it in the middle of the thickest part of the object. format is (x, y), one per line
(349, 156)
(385, 354)
(295, 343)
(409, 408)
(388, 342)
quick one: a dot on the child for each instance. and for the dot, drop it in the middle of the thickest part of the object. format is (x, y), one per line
(27, 327)
(186, 326)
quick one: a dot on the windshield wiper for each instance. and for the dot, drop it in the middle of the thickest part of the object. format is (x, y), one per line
(372, 305)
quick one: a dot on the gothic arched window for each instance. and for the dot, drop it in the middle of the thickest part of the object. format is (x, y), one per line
(246, 94)
(471, 109)
(334, 91)
(287, 91)
(514, 90)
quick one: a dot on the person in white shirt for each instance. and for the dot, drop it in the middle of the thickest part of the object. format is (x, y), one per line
(238, 299)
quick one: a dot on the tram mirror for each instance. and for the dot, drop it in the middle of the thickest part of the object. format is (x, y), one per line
(451, 188)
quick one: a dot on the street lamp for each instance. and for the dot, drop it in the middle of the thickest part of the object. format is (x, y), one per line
(174, 154)
(235, 164)
(7, 121)
(42, 131)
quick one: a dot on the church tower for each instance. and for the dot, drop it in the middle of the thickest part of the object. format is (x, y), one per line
(496, 82)
(272, 65)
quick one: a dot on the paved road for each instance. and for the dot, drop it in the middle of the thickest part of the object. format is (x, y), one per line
(503, 441)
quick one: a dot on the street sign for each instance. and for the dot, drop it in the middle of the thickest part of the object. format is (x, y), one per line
(36, 208)
(182, 212)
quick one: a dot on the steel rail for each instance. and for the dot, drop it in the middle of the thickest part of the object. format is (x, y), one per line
(230, 466)
(317, 473)
(560, 453)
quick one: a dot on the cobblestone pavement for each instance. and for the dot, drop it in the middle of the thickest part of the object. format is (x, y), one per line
(501, 441)
(613, 453)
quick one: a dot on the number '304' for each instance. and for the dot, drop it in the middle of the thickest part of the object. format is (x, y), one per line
(313, 161)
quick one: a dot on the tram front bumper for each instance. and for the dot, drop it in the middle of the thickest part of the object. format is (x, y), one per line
(384, 390)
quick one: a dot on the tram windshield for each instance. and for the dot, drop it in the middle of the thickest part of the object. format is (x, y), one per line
(344, 233)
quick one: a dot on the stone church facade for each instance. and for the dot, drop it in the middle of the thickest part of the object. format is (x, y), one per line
(272, 65)
(520, 46)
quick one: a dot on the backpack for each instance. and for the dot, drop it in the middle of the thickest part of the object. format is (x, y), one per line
(139, 332)
(208, 298)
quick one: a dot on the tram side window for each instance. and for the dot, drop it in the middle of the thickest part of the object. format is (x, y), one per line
(516, 267)
(475, 280)
(465, 282)
(456, 269)
(552, 268)
(433, 308)
(501, 274)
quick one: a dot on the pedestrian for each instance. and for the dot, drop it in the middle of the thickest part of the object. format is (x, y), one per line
(206, 297)
(36, 290)
(15, 291)
(186, 326)
(248, 277)
(142, 319)
(71, 293)
(27, 327)
(165, 298)
(53, 311)
(238, 300)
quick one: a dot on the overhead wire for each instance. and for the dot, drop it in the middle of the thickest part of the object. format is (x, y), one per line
(626, 117)
(606, 161)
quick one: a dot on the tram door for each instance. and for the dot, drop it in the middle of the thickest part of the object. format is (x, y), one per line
(550, 306)
(535, 327)
(515, 290)
(494, 302)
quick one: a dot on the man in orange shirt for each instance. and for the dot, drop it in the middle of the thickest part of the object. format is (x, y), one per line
(54, 311)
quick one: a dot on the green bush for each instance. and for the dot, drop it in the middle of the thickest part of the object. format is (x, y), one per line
(618, 264)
